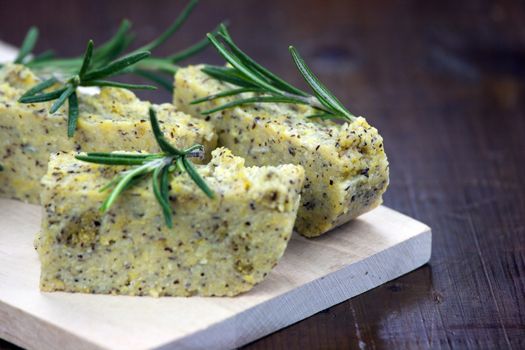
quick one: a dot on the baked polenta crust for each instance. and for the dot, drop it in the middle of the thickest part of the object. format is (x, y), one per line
(345, 164)
(110, 120)
(217, 247)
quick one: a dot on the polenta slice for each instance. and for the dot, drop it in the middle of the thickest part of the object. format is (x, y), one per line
(345, 165)
(217, 247)
(112, 119)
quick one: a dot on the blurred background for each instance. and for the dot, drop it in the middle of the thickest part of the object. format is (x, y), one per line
(443, 81)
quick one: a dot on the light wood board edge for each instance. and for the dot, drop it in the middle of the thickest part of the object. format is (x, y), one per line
(7, 52)
(297, 304)
(38, 333)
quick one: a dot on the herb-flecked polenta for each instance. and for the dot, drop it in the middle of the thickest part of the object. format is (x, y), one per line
(217, 247)
(113, 119)
(345, 165)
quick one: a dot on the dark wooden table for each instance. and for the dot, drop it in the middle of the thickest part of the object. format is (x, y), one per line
(444, 82)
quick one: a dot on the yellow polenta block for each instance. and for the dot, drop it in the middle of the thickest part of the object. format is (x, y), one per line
(114, 119)
(345, 164)
(217, 247)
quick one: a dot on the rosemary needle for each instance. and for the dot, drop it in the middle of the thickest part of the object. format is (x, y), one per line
(27, 45)
(266, 87)
(160, 166)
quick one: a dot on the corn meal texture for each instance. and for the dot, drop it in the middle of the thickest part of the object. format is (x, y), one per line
(111, 120)
(345, 165)
(218, 247)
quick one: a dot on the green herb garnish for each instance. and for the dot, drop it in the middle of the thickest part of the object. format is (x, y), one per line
(27, 45)
(249, 76)
(90, 73)
(159, 70)
(159, 165)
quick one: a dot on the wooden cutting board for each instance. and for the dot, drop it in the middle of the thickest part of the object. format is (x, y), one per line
(313, 275)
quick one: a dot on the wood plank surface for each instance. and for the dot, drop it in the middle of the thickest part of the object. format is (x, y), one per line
(444, 82)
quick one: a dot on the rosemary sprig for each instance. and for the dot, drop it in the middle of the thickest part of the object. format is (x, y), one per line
(160, 166)
(159, 70)
(266, 87)
(90, 73)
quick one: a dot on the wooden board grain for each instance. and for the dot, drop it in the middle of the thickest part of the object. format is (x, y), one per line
(313, 275)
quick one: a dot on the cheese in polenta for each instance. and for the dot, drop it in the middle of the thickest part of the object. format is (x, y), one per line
(217, 247)
(345, 165)
(110, 120)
